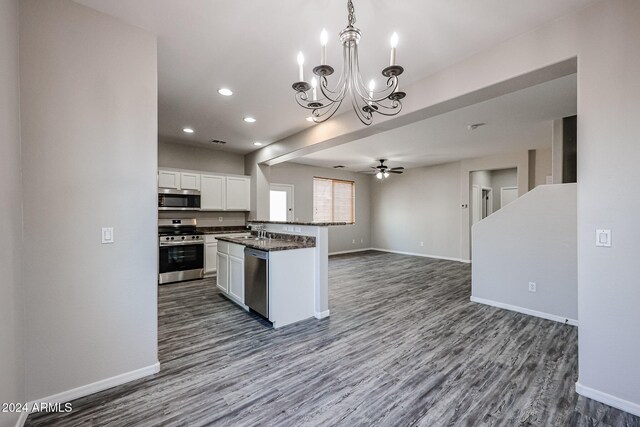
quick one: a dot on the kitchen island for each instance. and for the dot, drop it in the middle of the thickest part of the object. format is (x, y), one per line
(273, 276)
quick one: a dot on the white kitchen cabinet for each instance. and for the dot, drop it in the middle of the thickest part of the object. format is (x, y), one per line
(189, 181)
(238, 191)
(210, 257)
(236, 278)
(212, 192)
(168, 179)
(222, 280)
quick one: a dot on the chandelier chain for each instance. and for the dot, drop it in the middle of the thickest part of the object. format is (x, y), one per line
(352, 13)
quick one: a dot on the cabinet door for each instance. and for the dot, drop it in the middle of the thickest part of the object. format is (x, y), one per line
(222, 280)
(212, 188)
(169, 179)
(236, 278)
(211, 257)
(190, 181)
(238, 193)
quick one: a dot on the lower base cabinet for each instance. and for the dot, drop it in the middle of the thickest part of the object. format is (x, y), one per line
(230, 280)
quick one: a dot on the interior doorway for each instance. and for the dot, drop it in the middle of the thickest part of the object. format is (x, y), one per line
(281, 202)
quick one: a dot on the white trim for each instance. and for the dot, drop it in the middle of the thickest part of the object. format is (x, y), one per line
(607, 399)
(22, 419)
(98, 386)
(322, 314)
(421, 255)
(351, 251)
(523, 310)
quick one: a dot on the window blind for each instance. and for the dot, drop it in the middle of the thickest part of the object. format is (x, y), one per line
(333, 200)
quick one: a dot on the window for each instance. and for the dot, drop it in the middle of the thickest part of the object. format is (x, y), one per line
(333, 200)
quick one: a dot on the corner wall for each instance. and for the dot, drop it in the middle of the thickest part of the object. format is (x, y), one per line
(89, 150)
(11, 297)
(533, 239)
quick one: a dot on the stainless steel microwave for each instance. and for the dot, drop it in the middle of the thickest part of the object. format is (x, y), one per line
(178, 200)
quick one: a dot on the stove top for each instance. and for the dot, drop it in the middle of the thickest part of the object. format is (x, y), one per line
(180, 233)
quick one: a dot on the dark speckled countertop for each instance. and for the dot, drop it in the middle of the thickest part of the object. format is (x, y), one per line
(316, 224)
(274, 242)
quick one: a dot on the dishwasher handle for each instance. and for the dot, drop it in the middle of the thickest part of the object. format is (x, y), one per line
(257, 253)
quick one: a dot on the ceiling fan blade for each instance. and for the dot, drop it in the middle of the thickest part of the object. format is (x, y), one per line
(392, 171)
(399, 168)
(375, 167)
(367, 172)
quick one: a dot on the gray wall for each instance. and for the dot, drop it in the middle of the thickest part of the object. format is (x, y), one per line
(533, 239)
(421, 205)
(182, 156)
(89, 150)
(340, 237)
(11, 297)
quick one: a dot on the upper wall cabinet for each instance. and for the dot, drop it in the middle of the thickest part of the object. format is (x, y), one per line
(238, 191)
(169, 179)
(217, 192)
(189, 181)
(212, 193)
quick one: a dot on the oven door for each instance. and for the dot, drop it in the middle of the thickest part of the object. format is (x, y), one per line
(178, 200)
(180, 262)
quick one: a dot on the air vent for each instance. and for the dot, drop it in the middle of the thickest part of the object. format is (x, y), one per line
(338, 167)
(217, 141)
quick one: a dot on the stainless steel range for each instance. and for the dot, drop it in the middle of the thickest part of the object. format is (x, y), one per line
(181, 251)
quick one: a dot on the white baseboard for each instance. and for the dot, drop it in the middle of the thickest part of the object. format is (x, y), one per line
(421, 255)
(22, 419)
(523, 310)
(321, 314)
(351, 251)
(86, 390)
(607, 399)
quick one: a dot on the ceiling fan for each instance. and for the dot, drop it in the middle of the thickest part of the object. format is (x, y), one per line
(382, 171)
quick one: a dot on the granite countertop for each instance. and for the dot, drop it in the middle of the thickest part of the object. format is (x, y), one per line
(316, 224)
(276, 242)
(224, 229)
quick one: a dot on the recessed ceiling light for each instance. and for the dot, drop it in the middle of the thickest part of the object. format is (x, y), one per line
(309, 119)
(187, 130)
(257, 143)
(249, 120)
(225, 92)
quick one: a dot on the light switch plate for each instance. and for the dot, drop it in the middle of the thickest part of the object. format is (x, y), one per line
(549, 179)
(603, 238)
(107, 235)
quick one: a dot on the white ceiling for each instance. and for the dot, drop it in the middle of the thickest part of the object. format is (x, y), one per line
(250, 46)
(518, 121)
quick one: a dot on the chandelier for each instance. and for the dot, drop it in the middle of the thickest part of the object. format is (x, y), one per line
(366, 101)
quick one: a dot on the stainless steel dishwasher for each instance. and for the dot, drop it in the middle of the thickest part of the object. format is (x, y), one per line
(256, 280)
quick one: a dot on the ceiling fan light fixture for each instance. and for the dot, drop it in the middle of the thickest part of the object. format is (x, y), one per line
(379, 175)
(386, 174)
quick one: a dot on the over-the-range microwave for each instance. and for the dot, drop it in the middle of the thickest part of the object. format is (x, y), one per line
(178, 200)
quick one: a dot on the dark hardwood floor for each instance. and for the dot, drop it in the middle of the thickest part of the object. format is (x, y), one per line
(403, 346)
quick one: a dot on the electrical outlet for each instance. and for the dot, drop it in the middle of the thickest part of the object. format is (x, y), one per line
(421, 243)
(220, 218)
(361, 240)
(107, 235)
(354, 241)
(532, 287)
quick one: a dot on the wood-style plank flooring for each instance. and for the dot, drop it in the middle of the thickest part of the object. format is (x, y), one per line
(403, 346)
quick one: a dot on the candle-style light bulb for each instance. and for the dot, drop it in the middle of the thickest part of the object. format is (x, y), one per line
(394, 44)
(372, 87)
(314, 85)
(300, 67)
(324, 38)
(379, 175)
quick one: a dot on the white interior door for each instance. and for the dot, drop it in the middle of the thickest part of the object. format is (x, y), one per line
(507, 195)
(281, 202)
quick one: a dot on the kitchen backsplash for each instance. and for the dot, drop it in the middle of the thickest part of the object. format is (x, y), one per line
(208, 219)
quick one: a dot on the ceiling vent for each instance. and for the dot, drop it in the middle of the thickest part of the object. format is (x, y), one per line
(338, 167)
(217, 141)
